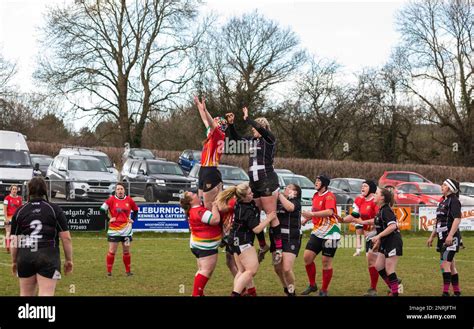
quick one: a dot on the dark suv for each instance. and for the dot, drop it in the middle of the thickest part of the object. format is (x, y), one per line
(156, 180)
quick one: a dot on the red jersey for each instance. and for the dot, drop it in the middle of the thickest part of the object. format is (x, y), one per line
(365, 209)
(325, 227)
(121, 210)
(12, 203)
(212, 150)
(203, 235)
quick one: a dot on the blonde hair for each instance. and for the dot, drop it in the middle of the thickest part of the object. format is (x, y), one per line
(263, 122)
(240, 191)
(185, 203)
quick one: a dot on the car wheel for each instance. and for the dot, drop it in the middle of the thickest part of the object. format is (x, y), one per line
(150, 194)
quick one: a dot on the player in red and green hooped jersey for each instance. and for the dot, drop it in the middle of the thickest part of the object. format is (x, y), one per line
(206, 236)
(122, 211)
(210, 178)
(324, 237)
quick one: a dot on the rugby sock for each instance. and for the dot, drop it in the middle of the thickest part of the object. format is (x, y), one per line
(374, 277)
(383, 275)
(277, 236)
(327, 275)
(200, 282)
(455, 283)
(252, 292)
(393, 283)
(261, 239)
(127, 259)
(446, 281)
(110, 261)
(311, 271)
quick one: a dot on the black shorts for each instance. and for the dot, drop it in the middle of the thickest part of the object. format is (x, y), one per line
(200, 253)
(359, 226)
(327, 246)
(209, 177)
(447, 253)
(43, 261)
(391, 246)
(288, 245)
(114, 238)
(265, 186)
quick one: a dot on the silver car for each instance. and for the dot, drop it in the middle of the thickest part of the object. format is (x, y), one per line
(80, 177)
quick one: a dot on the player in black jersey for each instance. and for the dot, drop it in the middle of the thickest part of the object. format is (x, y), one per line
(388, 241)
(448, 217)
(242, 234)
(37, 227)
(289, 215)
(263, 179)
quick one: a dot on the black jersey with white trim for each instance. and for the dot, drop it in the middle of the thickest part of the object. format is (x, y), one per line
(384, 218)
(246, 218)
(290, 222)
(448, 210)
(262, 150)
(38, 223)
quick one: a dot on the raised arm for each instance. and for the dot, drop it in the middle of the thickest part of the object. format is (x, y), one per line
(265, 133)
(205, 116)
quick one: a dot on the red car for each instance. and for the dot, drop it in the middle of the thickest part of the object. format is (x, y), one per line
(417, 194)
(390, 179)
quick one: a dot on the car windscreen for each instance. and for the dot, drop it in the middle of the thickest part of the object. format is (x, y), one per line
(430, 189)
(105, 159)
(164, 169)
(233, 173)
(146, 154)
(86, 165)
(197, 155)
(302, 181)
(356, 185)
(42, 161)
(14, 159)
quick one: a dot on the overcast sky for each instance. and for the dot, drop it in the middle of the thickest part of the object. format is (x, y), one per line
(355, 34)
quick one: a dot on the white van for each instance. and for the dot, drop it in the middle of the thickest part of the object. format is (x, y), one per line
(15, 162)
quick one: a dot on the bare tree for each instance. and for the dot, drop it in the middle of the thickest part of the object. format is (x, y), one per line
(7, 72)
(436, 60)
(249, 55)
(129, 57)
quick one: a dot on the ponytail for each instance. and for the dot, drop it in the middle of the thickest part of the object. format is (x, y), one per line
(224, 197)
(185, 203)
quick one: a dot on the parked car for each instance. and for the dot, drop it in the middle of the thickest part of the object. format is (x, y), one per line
(73, 150)
(188, 159)
(352, 186)
(390, 179)
(156, 180)
(283, 171)
(43, 161)
(417, 194)
(137, 153)
(15, 163)
(308, 189)
(346, 190)
(80, 177)
(231, 175)
(467, 189)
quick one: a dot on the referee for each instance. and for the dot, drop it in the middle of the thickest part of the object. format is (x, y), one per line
(36, 229)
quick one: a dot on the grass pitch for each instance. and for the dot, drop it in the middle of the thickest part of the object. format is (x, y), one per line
(164, 266)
